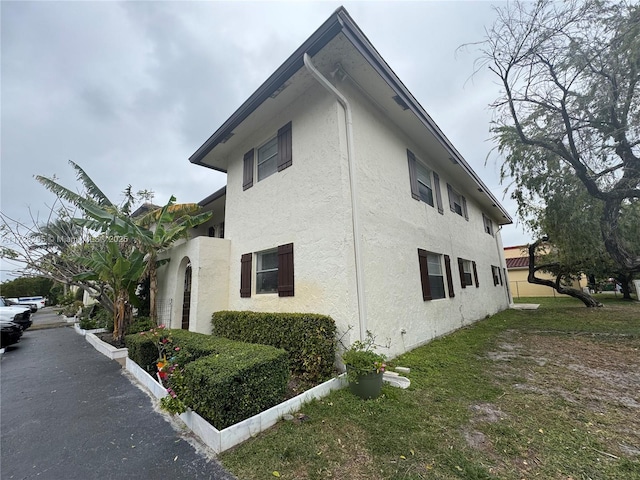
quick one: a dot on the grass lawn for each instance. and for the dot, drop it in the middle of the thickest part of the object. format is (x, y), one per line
(552, 393)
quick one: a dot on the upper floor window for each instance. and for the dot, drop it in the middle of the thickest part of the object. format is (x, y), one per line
(488, 224)
(267, 159)
(424, 182)
(274, 156)
(457, 202)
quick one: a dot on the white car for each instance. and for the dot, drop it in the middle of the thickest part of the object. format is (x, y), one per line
(20, 314)
(35, 303)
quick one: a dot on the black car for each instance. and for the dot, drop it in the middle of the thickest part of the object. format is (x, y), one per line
(10, 333)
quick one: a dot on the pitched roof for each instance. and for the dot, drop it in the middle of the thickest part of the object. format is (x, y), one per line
(340, 22)
(518, 262)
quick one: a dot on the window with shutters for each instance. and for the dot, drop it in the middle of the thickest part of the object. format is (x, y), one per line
(274, 272)
(495, 271)
(267, 271)
(432, 276)
(273, 156)
(425, 184)
(457, 202)
(468, 272)
(488, 224)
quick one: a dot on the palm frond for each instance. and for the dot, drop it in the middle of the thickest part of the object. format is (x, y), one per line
(92, 189)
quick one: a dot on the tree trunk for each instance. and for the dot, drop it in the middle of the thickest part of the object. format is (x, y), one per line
(625, 284)
(120, 315)
(153, 290)
(585, 298)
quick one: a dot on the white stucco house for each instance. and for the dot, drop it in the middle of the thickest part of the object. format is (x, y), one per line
(343, 198)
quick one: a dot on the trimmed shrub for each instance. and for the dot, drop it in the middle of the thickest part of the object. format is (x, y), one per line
(140, 324)
(308, 338)
(226, 381)
(236, 384)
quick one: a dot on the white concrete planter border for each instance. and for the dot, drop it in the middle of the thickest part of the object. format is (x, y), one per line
(83, 332)
(118, 354)
(221, 440)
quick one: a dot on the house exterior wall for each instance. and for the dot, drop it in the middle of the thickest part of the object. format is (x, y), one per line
(394, 226)
(305, 204)
(308, 204)
(209, 259)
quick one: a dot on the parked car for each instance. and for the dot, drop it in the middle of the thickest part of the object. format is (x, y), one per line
(19, 314)
(10, 333)
(34, 303)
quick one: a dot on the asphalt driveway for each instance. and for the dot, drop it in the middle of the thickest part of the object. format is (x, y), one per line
(68, 412)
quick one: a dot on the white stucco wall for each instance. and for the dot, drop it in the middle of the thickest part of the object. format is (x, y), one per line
(308, 204)
(305, 204)
(394, 226)
(210, 280)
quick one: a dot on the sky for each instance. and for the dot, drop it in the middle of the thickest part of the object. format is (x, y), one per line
(129, 90)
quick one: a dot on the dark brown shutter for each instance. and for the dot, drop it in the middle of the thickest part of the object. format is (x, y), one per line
(447, 267)
(245, 275)
(247, 177)
(450, 195)
(285, 270)
(499, 275)
(464, 207)
(475, 274)
(285, 156)
(461, 271)
(436, 186)
(413, 176)
(424, 274)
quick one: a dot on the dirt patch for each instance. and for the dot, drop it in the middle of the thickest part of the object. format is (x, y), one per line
(598, 375)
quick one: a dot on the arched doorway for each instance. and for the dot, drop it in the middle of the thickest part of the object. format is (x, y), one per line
(186, 297)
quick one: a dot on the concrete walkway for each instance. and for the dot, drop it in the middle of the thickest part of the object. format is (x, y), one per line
(68, 412)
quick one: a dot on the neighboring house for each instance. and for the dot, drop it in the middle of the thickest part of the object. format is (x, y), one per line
(517, 259)
(343, 198)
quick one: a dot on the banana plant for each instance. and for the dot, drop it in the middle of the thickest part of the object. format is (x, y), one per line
(120, 267)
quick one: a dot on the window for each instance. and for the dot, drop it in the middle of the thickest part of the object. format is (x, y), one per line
(274, 156)
(497, 275)
(431, 275)
(212, 232)
(274, 272)
(457, 202)
(495, 271)
(267, 271)
(466, 267)
(267, 159)
(422, 187)
(488, 224)
(424, 184)
(221, 230)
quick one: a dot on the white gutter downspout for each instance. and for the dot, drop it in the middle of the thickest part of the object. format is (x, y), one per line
(362, 307)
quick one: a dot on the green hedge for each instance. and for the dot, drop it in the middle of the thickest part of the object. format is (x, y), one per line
(227, 381)
(143, 350)
(236, 384)
(308, 338)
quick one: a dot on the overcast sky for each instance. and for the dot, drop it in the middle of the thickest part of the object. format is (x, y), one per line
(130, 90)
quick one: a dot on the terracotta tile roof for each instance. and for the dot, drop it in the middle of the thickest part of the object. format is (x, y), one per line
(519, 262)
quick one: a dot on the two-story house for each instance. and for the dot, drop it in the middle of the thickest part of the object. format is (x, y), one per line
(344, 198)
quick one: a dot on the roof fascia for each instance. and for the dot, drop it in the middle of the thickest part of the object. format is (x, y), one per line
(368, 51)
(327, 31)
(214, 196)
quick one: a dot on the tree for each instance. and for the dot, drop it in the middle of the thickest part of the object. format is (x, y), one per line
(26, 287)
(151, 234)
(569, 218)
(120, 266)
(570, 107)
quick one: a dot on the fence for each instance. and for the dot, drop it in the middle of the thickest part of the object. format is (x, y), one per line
(163, 310)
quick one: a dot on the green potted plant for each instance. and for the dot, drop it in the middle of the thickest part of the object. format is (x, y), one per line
(365, 368)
